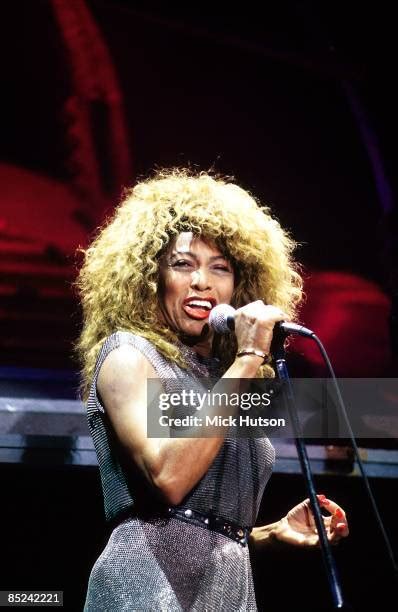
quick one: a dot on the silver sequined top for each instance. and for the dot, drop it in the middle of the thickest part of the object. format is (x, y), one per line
(234, 484)
(160, 563)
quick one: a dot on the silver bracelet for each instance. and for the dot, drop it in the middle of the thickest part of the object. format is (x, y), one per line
(252, 352)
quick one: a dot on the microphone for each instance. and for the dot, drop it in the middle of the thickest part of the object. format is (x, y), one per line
(222, 321)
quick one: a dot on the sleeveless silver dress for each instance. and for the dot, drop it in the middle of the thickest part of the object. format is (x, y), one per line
(160, 563)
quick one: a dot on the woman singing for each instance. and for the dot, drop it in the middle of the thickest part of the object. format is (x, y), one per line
(183, 509)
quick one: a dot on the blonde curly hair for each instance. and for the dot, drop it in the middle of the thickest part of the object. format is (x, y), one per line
(118, 282)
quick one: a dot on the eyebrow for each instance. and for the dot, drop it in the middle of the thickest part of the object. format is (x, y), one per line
(212, 258)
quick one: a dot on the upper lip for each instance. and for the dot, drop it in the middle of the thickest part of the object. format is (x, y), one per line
(205, 298)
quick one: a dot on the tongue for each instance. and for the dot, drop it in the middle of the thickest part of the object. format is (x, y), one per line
(197, 312)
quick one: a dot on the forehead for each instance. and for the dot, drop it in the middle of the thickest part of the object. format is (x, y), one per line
(187, 242)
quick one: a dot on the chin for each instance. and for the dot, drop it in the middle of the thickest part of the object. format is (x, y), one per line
(197, 329)
(194, 330)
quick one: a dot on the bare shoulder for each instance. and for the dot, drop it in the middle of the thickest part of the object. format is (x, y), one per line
(124, 371)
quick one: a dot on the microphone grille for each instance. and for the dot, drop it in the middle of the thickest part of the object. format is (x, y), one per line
(218, 319)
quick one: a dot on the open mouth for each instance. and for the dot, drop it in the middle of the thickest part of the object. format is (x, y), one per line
(197, 309)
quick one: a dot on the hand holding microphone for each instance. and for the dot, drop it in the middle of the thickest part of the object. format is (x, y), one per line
(254, 325)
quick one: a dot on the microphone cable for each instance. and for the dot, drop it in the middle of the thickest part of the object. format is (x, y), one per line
(222, 321)
(365, 479)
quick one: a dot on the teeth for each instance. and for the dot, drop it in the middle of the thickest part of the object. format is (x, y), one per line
(200, 303)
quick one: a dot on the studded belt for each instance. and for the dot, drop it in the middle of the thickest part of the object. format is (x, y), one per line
(210, 521)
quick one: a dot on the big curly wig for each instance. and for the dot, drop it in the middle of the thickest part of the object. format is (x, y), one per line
(119, 280)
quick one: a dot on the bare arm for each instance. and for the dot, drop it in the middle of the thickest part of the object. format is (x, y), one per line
(173, 466)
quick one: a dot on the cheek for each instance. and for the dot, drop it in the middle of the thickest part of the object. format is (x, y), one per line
(229, 290)
(173, 287)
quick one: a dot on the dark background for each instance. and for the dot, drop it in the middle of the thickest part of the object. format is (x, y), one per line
(297, 101)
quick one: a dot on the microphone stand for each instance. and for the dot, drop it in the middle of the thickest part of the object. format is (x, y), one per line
(278, 350)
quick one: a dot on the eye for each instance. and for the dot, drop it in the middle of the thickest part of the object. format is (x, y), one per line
(222, 267)
(181, 263)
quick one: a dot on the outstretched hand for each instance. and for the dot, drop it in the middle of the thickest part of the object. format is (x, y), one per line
(298, 526)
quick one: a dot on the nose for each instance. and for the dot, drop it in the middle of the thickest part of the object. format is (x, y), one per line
(200, 279)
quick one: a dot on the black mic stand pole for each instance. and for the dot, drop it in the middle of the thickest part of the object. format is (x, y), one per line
(283, 374)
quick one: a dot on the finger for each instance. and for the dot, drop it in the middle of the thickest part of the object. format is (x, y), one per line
(329, 504)
(276, 313)
(335, 531)
(270, 312)
(265, 313)
(336, 524)
(324, 502)
(338, 514)
(342, 530)
(338, 518)
(338, 532)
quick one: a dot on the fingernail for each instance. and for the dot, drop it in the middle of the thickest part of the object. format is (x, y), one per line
(340, 527)
(321, 497)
